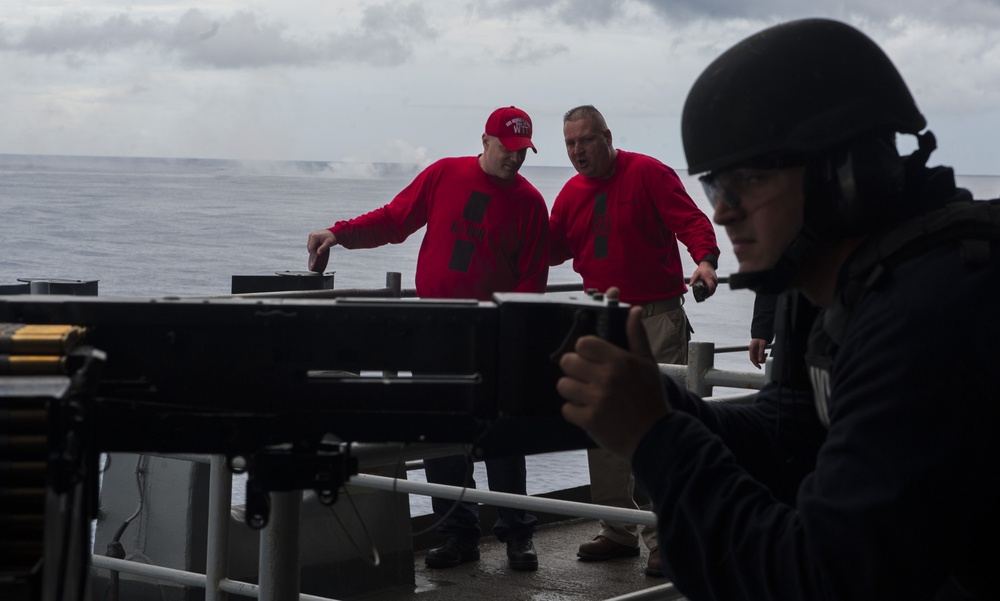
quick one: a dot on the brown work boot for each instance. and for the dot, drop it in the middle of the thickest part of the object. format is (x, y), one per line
(603, 549)
(654, 567)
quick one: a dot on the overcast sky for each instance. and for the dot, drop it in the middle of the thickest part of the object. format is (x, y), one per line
(383, 80)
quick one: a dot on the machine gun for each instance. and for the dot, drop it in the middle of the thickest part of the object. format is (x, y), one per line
(231, 375)
(279, 386)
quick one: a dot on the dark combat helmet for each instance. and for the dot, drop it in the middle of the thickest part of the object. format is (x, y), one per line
(793, 89)
(813, 92)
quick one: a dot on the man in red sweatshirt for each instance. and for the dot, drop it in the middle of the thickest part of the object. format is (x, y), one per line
(619, 219)
(487, 232)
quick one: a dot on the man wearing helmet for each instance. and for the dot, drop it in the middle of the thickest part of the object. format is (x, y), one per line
(887, 488)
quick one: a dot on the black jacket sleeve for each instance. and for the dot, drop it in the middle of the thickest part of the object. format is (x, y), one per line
(904, 498)
(762, 322)
(775, 438)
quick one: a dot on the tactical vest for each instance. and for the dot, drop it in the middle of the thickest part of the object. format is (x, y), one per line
(972, 226)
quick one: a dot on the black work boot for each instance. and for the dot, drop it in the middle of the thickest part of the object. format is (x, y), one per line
(451, 553)
(521, 555)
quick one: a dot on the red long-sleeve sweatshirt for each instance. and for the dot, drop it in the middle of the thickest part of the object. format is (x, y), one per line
(484, 234)
(623, 231)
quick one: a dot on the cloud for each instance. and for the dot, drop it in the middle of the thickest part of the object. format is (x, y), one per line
(385, 36)
(76, 33)
(583, 13)
(314, 79)
(970, 58)
(856, 11)
(525, 51)
(237, 42)
(573, 12)
(587, 13)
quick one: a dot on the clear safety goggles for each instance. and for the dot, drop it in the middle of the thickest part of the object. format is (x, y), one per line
(732, 186)
(717, 190)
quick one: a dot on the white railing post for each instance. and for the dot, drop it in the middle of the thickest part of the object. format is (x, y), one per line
(701, 358)
(220, 494)
(279, 548)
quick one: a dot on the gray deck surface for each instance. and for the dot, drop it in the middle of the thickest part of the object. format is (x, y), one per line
(560, 576)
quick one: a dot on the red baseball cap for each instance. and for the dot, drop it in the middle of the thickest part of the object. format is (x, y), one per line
(512, 126)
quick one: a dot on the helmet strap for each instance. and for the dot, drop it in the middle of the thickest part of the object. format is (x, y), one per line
(779, 278)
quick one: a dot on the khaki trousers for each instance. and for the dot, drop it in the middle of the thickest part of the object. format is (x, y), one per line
(611, 481)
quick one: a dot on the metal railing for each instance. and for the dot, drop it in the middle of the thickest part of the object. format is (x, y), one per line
(279, 539)
(700, 375)
(393, 289)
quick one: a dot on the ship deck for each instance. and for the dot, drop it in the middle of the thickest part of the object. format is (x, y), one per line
(561, 575)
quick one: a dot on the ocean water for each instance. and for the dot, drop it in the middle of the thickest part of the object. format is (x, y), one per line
(156, 227)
